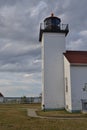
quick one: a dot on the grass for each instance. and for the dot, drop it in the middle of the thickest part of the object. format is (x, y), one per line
(14, 117)
(61, 113)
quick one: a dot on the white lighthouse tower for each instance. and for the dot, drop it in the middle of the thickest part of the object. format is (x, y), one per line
(52, 38)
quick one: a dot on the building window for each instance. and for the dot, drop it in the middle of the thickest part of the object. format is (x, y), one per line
(84, 105)
(85, 87)
(66, 84)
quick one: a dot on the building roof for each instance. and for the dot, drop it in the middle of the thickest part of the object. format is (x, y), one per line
(77, 57)
(1, 95)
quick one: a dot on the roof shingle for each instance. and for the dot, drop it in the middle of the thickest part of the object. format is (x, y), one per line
(78, 57)
(1, 95)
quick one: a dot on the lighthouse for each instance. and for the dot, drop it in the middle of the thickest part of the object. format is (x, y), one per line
(52, 37)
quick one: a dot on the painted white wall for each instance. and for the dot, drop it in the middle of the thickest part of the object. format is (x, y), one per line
(53, 46)
(68, 103)
(1, 99)
(78, 80)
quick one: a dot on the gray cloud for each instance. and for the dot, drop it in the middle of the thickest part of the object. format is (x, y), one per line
(19, 37)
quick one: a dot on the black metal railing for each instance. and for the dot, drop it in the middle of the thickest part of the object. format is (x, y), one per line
(62, 27)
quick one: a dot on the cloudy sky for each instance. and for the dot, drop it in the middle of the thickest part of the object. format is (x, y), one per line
(20, 50)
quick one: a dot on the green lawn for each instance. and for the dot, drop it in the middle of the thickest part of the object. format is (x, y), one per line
(14, 117)
(61, 113)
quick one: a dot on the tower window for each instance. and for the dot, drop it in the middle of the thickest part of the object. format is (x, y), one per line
(85, 87)
(66, 84)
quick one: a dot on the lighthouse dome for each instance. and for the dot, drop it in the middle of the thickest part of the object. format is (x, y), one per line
(52, 23)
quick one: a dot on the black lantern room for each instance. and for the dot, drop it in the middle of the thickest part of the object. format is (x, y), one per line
(53, 24)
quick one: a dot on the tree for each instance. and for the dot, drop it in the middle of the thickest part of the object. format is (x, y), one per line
(23, 99)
